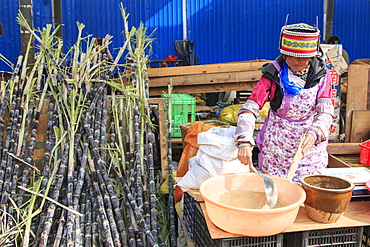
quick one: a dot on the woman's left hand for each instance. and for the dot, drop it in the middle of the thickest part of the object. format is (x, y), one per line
(308, 143)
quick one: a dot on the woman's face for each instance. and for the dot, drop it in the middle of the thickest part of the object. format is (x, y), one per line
(297, 63)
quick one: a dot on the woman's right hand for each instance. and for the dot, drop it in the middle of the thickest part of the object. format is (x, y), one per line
(245, 156)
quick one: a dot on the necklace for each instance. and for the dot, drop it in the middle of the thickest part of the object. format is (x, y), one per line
(301, 74)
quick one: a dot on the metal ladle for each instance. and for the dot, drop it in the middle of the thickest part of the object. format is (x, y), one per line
(270, 189)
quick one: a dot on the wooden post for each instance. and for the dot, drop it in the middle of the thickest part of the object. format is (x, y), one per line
(162, 134)
(328, 18)
(1, 30)
(57, 16)
(25, 7)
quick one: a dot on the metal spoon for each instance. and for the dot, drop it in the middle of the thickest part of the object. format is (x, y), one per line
(270, 189)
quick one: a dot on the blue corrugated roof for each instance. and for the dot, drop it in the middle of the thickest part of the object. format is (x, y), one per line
(222, 30)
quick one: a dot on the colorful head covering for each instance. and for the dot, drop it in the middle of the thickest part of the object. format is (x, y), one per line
(299, 40)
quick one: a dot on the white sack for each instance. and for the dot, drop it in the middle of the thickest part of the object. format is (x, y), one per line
(218, 143)
(217, 155)
(195, 175)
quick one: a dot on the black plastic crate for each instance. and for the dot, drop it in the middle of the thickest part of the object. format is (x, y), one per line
(202, 238)
(348, 236)
(189, 214)
(366, 237)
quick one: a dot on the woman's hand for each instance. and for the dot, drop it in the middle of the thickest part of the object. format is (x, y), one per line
(308, 143)
(245, 155)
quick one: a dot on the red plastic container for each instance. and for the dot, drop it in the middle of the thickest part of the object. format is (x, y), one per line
(365, 153)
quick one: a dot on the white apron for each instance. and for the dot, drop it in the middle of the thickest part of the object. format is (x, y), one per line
(279, 138)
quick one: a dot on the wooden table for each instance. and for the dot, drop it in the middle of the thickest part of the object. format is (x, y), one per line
(356, 215)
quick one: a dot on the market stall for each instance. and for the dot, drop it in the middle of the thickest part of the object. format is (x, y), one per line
(351, 230)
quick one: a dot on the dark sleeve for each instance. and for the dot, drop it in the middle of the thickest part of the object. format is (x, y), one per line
(275, 102)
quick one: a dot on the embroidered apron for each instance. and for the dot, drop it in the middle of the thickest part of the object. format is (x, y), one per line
(279, 138)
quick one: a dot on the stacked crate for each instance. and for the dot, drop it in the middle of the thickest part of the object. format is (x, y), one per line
(348, 236)
(197, 227)
(366, 237)
(183, 111)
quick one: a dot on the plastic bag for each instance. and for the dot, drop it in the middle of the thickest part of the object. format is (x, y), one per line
(230, 114)
(192, 146)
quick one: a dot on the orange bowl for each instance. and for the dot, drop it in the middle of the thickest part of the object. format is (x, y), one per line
(252, 222)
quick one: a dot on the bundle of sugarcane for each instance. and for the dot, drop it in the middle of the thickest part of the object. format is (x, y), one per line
(96, 185)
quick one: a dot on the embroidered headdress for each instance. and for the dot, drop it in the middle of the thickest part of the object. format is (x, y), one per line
(299, 40)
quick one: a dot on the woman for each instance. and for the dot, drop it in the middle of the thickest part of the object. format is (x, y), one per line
(299, 89)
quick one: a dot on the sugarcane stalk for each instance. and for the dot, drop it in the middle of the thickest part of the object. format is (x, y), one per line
(29, 159)
(31, 215)
(61, 225)
(47, 176)
(89, 212)
(106, 231)
(138, 216)
(49, 143)
(153, 211)
(82, 210)
(9, 146)
(4, 104)
(104, 184)
(55, 195)
(171, 203)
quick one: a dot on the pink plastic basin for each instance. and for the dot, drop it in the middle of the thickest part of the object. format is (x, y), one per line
(251, 222)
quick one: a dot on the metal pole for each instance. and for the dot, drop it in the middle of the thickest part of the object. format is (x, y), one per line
(328, 19)
(184, 20)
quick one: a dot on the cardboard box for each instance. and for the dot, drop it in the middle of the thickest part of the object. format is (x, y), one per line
(357, 95)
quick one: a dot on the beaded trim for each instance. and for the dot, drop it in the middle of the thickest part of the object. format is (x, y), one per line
(301, 34)
(293, 54)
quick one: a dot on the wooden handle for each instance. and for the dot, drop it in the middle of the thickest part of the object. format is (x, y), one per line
(297, 157)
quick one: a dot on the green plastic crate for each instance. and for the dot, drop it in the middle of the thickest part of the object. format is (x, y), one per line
(183, 111)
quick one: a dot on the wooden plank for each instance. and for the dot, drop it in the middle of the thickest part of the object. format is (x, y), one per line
(334, 162)
(205, 88)
(352, 160)
(192, 192)
(207, 68)
(343, 148)
(215, 78)
(238, 76)
(161, 102)
(360, 128)
(358, 81)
